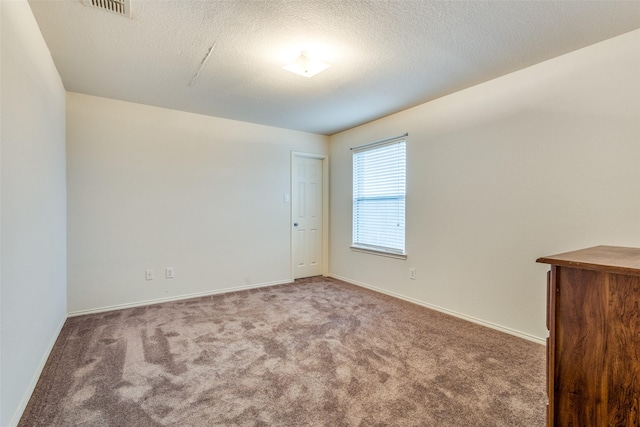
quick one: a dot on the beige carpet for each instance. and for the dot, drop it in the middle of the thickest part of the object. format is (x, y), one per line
(318, 352)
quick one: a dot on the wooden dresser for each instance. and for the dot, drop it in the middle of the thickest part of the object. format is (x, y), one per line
(593, 349)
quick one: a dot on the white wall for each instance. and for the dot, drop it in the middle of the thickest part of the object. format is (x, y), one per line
(151, 188)
(541, 161)
(33, 199)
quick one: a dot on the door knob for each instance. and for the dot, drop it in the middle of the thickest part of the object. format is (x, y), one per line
(295, 224)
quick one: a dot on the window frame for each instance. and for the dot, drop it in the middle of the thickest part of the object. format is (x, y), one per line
(389, 251)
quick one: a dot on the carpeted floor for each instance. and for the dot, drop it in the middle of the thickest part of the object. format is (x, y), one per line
(318, 352)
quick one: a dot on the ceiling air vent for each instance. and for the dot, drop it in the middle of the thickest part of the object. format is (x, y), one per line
(121, 7)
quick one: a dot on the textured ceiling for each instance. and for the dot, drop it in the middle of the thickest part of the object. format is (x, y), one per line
(385, 56)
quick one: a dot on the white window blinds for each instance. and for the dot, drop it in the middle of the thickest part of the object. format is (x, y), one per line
(379, 190)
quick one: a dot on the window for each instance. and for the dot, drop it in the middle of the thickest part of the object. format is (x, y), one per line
(379, 190)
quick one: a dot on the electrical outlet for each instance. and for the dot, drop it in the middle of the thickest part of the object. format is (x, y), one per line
(412, 273)
(148, 274)
(169, 273)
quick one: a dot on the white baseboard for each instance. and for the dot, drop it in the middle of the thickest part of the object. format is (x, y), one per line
(446, 311)
(36, 376)
(175, 298)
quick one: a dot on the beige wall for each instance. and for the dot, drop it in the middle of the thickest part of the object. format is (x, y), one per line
(33, 200)
(537, 162)
(150, 188)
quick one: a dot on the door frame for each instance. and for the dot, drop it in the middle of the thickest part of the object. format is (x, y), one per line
(325, 209)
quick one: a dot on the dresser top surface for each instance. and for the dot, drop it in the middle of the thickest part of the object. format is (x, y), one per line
(606, 258)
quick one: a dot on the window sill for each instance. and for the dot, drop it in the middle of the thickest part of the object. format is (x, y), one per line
(378, 252)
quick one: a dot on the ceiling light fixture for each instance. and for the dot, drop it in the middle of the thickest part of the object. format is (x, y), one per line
(306, 66)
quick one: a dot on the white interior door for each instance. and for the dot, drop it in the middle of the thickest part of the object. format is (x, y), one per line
(307, 220)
